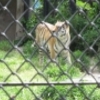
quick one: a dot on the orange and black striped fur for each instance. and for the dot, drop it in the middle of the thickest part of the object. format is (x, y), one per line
(55, 38)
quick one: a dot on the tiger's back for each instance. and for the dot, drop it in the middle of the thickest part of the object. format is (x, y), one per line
(44, 37)
(44, 32)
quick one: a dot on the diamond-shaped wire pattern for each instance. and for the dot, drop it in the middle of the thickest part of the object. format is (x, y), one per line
(28, 72)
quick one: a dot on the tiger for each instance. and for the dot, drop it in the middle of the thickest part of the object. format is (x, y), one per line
(53, 38)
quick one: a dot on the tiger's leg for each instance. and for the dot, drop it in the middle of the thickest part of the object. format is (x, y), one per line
(69, 57)
(41, 57)
(53, 54)
(66, 56)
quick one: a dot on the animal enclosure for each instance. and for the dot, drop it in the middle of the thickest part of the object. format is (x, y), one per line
(23, 76)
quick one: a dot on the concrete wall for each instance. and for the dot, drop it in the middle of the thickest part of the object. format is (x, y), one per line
(15, 7)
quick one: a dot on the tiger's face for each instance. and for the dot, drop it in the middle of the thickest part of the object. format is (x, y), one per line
(62, 30)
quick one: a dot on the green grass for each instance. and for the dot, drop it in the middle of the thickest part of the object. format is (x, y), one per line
(14, 62)
(11, 64)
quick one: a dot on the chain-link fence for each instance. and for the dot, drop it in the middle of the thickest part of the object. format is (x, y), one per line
(31, 73)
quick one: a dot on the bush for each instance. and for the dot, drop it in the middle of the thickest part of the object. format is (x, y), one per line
(30, 23)
(5, 45)
(66, 92)
(54, 93)
(27, 49)
(56, 73)
(90, 36)
(83, 58)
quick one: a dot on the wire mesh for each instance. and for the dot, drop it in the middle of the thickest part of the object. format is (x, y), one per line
(23, 77)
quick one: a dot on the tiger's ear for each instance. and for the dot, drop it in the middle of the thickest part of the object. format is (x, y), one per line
(66, 24)
(59, 21)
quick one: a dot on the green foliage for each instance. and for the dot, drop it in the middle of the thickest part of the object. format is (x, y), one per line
(62, 14)
(93, 11)
(64, 10)
(14, 60)
(67, 92)
(83, 58)
(54, 72)
(75, 94)
(78, 22)
(5, 45)
(30, 23)
(90, 36)
(81, 92)
(54, 93)
(34, 15)
(27, 48)
(90, 9)
(59, 92)
(84, 5)
(93, 91)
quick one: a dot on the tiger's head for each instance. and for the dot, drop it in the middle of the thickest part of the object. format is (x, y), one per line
(62, 29)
